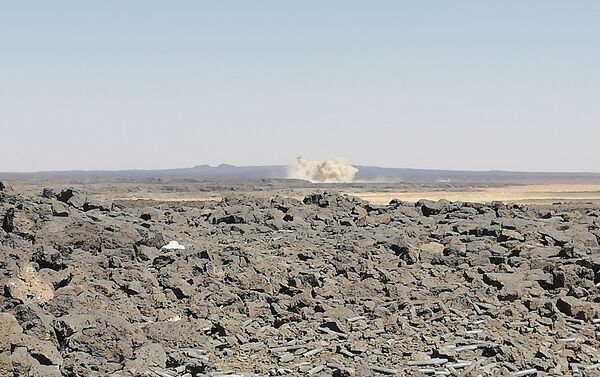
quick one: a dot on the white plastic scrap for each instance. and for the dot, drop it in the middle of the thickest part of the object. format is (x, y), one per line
(173, 245)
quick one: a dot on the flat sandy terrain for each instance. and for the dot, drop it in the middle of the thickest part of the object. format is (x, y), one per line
(376, 193)
(527, 194)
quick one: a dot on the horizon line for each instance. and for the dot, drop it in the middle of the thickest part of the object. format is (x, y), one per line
(226, 165)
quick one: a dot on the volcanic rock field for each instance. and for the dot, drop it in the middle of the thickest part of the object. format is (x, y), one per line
(328, 285)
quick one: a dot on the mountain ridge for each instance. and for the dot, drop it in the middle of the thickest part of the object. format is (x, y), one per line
(365, 173)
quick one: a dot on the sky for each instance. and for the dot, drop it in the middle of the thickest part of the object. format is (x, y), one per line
(476, 85)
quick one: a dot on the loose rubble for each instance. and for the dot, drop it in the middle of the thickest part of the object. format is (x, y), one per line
(326, 286)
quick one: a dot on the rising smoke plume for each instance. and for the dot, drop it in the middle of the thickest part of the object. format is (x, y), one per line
(332, 170)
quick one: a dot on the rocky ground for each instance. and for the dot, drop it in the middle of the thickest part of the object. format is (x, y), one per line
(325, 286)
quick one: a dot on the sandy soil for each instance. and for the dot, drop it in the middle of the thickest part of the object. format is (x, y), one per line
(527, 194)
(376, 193)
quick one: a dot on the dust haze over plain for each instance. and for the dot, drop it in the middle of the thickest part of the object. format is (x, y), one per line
(456, 85)
(330, 170)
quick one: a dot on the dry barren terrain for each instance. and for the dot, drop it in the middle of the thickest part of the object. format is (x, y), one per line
(259, 283)
(525, 194)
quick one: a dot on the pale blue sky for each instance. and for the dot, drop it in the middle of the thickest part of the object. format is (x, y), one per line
(426, 84)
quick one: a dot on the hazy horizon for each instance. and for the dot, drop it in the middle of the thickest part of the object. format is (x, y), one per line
(290, 164)
(458, 85)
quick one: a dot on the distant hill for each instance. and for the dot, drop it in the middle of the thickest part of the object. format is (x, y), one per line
(222, 171)
(373, 173)
(365, 173)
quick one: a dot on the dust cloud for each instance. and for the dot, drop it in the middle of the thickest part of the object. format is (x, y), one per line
(331, 170)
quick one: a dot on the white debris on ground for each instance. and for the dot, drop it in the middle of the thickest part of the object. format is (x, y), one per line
(173, 245)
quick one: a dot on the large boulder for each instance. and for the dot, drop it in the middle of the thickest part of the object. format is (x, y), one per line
(59, 209)
(18, 221)
(28, 287)
(48, 193)
(431, 208)
(317, 199)
(6, 368)
(72, 197)
(9, 327)
(42, 350)
(78, 200)
(577, 308)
